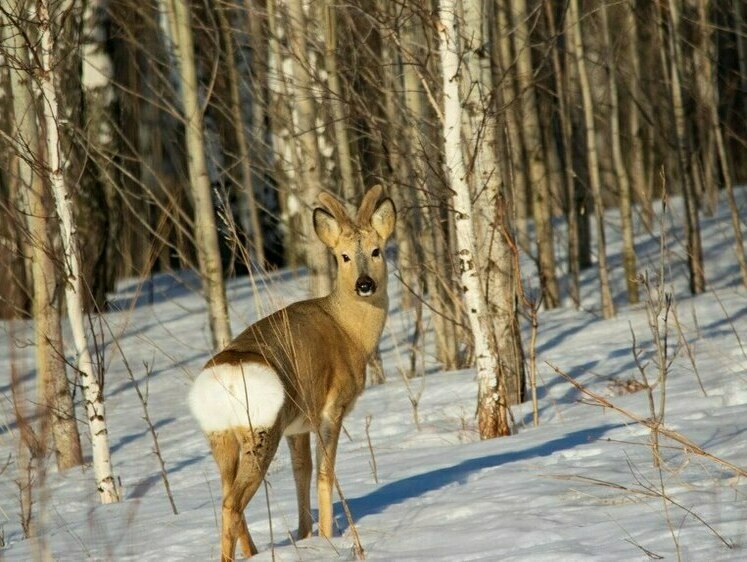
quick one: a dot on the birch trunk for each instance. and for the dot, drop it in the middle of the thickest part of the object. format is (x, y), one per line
(535, 154)
(608, 307)
(92, 392)
(641, 182)
(514, 143)
(710, 92)
(259, 87)
(621, 173)
(741, 40)
(736, 221)
(342, 142)
(279, 105)
(492, 410)
(436, 275)
(54, 399)
(206, 233)
(692, 225)
(409, 253)
(98, 174)
(497, 247)
(562, 81)
(308, 160)
(705, 84)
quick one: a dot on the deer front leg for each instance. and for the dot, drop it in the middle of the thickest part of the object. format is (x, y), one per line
(300, 450)
(326, 450)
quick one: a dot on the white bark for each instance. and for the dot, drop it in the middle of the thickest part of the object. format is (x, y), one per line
(54, 397)
(308, 162)
(344, 157)
(496, 239)
(105, 481)
(471, 287)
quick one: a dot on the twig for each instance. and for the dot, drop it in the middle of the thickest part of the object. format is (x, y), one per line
(370, 448)
(269, 516)
(687, 444)
(154, 435)
(360, 554)
(688, 349)
(652, 490)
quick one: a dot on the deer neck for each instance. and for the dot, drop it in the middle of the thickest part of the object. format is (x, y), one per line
(362, 319)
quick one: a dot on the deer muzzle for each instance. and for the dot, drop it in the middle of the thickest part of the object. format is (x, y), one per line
(365, 286)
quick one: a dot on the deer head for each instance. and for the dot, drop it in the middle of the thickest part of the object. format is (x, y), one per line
(357, 245)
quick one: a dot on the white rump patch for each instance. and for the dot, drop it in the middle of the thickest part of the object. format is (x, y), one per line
(243, 395)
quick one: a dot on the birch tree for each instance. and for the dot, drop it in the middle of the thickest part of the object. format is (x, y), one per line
(704, 56)
(641, 183)
(342, 142)
(608, 306)
(308, 160)
(94, 144)
(92, 391)
(54, 399)
(515, 147)
(436, 277)
(538, 173)
(573, 214)
(492, 410)
(692, 224)
(497, 244)
(621, 172)
(206, 233)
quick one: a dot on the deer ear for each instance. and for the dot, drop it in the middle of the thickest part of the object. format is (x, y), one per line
(326, 227)
(383, 218)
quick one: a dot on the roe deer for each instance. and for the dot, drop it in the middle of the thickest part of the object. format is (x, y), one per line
(298, 371)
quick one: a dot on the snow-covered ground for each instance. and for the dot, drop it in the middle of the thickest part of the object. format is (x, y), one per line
(580, 486)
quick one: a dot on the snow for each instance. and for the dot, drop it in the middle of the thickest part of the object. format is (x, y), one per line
(580, 486)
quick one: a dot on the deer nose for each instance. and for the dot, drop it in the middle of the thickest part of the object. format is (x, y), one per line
(365, 286)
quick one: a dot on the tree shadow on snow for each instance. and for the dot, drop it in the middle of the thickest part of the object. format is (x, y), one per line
(143, 486)
(127, 439)
(417, 485)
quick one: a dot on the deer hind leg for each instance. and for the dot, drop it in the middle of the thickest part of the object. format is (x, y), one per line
(326, 451)
(226, 451)
(300, 449)
(257, 448)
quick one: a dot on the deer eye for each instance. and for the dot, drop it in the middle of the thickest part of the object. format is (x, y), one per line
(345, 258)
(376, 253)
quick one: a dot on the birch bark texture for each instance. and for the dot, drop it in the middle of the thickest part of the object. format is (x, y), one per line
(54, 398)
(497, 247)
(308, 160)
(206, 234)
(92, 391)
(492, 411)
